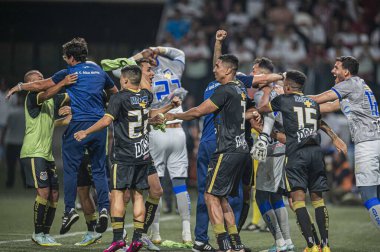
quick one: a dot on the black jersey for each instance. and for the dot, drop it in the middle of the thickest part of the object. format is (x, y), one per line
(300, 116)
(130, 110)
(229, 120)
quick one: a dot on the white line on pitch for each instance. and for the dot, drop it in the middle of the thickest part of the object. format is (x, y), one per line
(163, 219)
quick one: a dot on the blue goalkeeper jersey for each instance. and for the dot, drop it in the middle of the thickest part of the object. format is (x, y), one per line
(86, 95)
(209, 132)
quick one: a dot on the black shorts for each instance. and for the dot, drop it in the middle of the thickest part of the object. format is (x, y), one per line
(84, 177)
(40, 173)
(152, 170)
(248, 174)
(305, 169)
(224, 173)
(126, 176)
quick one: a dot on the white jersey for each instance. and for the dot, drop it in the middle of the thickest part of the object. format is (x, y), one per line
(167, 78)
(359, 105)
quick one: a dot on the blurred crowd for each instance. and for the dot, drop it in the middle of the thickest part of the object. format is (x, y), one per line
(305, 35)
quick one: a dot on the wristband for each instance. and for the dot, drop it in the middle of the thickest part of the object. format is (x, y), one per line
(19, 85)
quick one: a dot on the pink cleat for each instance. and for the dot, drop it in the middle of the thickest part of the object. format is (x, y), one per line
(115, 246)
(135, 246)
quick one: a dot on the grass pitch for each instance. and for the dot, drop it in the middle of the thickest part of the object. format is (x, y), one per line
(350, 228)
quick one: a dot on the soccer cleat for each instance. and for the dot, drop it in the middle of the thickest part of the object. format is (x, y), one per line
(148, 243)
(315, 248)
(202, 247)
(40, 239)
(135, 246)
(115, 246)
(156, 239)
(68, 220)
(326, 249)
(290, 248)
(89, 238)
(51, 241)
(102, 224)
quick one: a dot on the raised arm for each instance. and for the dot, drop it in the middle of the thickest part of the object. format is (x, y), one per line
(262, 80)
(219, 37)
(338, 143)
(35, 86)
(205, 108)
(325, 97)
(49, 93)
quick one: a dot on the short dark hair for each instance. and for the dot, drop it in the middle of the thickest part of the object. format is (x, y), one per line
(142, 60)
(264, 63)
(29, 74)
(297, 77)
(230, 60)
(133, 73)
(350, 63)
(76, 48)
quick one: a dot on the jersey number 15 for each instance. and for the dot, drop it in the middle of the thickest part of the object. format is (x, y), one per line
(304, 117)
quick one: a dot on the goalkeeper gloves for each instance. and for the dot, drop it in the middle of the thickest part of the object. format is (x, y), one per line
(259, 150)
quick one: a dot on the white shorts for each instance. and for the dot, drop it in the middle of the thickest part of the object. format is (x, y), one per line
(270, 175)
(168, 150)
(367, 163)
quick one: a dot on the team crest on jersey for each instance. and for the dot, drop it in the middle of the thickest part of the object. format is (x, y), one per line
(142, 101)
(168, 74)
(43, 175)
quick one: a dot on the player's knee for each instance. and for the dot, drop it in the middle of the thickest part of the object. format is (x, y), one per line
(156, 192)
(54, 195)
(43, 193)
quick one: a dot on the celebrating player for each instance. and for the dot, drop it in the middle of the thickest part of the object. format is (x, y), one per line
(270, 177)
(227, 163)
(37, 156)
(305, 166)
(131, 158)
(357, 101)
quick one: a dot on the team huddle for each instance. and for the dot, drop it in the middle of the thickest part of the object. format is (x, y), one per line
(144, 118)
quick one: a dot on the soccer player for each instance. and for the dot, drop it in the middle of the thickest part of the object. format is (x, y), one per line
(37, 157)
(155, 189)
(129, 110)
(87, 107)
(270, 177)
(356, 100)
(168, 66)
(207, 147)
(228, 161)
(305, 166)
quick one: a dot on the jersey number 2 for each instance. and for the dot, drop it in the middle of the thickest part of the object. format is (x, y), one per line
(133, 125)
(165, 84)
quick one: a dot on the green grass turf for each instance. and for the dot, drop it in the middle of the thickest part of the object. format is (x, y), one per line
(350, 228)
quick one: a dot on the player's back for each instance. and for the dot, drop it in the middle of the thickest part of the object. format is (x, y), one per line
(229, 122)
(130, 110)
(167, 77)
(300, 116)
(359, 105)
(86, 94)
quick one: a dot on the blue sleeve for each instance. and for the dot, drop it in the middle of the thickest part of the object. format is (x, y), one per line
(109, 82)
(246, 79)
(60, 75)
